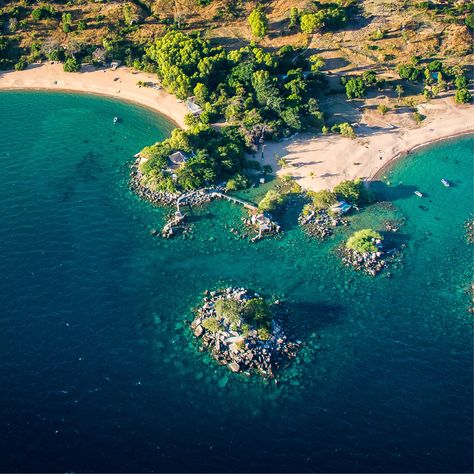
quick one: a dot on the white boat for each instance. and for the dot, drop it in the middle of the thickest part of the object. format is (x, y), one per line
(115, 120)
(418, 194)
(446, 183)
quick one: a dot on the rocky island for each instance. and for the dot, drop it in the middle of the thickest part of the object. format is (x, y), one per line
(364, 251)
(241, 330)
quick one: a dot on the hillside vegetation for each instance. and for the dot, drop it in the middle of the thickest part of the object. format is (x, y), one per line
(258, 70)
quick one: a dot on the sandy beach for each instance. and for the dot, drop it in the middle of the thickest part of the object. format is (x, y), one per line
(315, 162)
(322, 162)
(121, 83)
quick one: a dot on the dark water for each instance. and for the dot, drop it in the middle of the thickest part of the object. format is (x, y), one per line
(98, 372)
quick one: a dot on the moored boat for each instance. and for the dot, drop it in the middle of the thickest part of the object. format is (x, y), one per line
(418, 193)
(446, 183)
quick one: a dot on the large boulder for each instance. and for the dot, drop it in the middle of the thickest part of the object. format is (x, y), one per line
(234, 366)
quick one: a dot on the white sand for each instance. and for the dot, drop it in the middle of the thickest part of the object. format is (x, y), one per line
(322, 162)
(315, 162)
(121, 83)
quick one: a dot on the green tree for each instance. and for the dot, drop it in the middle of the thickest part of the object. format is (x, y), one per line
(409, 72)
(228, 309)
(364, 241)
(258, 313)
(463, 96)
(201, 93)
(310, 22)
(322, 199)
(346, 130)
(351, 191)
(461, 81)
(66, 21)
(294, 17)
(317, 62)
(355, 88)
(71, 65)
(21, 64)
(258, 22)
(399, 90)
(271, 202)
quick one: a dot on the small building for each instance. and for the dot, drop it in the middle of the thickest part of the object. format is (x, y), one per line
(177, 159)
(341, 207)
(263, 222)
(195, 109)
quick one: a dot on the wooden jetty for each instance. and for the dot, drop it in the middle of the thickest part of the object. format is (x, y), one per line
(246, 204)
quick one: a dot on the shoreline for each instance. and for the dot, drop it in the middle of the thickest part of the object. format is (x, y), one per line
(117, 84)
(403, 154)
(315, 162)
(321, 162)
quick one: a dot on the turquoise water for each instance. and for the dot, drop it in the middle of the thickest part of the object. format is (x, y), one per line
(99, 373)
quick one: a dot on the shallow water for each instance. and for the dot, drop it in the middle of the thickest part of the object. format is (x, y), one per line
(99, 373)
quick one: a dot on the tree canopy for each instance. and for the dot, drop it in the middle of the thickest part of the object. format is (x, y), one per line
(258, 22)
(363, 241)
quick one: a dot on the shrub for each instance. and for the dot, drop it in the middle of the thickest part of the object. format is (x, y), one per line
(469, 21)
(294, 17)
(461, 82)
(418, 118)
(378, 34)
(238, 181)
(271, 202)
(45, 11)
(258, 313)
(409, 72)
(228, 309)
(71, 65)
(463, 96)
(346, 130)
(363, 241)
(21, 64)
(258, 22)
(322, 199)
(355, 88)
(263, 334)
(211, 324)
(382, 108)
(352, 191)
(310, 22)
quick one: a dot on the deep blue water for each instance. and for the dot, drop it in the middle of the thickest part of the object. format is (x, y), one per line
(99, 373)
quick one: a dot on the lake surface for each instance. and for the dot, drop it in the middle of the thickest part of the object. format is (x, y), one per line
(99, 372)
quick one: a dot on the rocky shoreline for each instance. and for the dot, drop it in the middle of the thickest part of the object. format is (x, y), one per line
(163, 198)
(176, 222)
(368, 262)
(246, 342)
(320, 224)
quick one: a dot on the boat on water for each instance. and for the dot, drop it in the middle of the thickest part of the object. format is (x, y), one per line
(446, 183)
(418, 194)
(116, 119)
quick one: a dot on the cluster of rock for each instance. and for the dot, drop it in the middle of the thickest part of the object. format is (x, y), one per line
(394, 225)
(164, 198)
(469, 226)
(238, 347)
(263, 224)
(369, 262)
(471, 306)
(321, 224)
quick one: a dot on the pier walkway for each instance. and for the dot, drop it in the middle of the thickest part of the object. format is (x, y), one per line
(246, 204)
